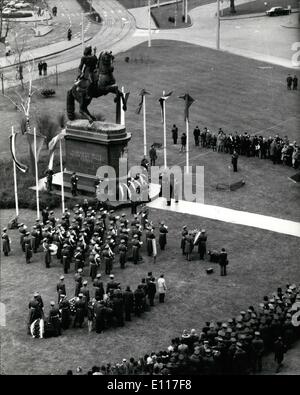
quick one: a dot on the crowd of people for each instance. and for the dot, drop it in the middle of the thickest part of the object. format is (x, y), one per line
(110, 306)
(278, 149)
(236, 346)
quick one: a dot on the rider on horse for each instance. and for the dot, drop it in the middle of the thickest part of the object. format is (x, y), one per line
(86, 70)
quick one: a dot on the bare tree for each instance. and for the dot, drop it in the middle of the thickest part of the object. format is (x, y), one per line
(21, 98)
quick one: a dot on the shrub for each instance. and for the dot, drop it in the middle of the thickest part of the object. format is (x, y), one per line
(47, 92)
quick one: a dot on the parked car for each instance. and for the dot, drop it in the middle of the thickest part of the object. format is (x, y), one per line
(274, 11)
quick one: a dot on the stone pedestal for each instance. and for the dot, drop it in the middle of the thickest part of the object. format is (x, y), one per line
(90, 146)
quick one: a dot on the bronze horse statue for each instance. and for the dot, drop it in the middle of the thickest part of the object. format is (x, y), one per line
(96, 79)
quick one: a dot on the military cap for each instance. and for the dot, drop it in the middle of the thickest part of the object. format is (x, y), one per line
(233, 340)
(239, 344)
(80, 295)
(257, 333)
(36, 294)
(224, 325)
(239, 326)
(79, 270)
(52, 303)
(85, 282)
(111, 276)
(208, 350)
(98, 275)
(27, 233)
(62, 277)
(242, 312)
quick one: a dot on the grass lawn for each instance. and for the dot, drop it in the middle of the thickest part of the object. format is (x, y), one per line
(260, 261)
(259, 6)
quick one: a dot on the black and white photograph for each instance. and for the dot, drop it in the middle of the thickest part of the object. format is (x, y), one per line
(149, 190)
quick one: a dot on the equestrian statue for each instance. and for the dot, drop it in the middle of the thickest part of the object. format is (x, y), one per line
(95, 79)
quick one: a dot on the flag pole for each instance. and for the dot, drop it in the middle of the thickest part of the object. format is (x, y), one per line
(36, 176)
(149, 23)
(144, 121)
(165, 132)
(122, 111)
(218, 24)
(15, 181)
(62, 175)
(187, 145)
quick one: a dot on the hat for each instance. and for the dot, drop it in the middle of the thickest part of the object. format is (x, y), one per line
(257, 333)
(224, 325)
(85, 282)
(52, 303)
(208, 350)
(4, 229)
(242, 312)
(79, 270)
(98, 275)
(239, 344)
(124, 360)
(80, 295)
(111, 276)
(62, 277)
(203, 231)
(36, 294)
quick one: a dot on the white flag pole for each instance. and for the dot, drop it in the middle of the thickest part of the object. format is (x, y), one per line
(36, 176)
(62, 175)
(15, 181)
(144, 121)
(122, 111)
(187, 146)
(149, 23)
(165, 132)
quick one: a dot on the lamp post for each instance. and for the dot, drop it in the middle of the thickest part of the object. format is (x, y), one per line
(218, 24)
(149, 23)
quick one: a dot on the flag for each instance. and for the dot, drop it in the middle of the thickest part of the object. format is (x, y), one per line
(20, 166)
(142, 94)
(39, 144)
(52, 146)
(161, 102)
(188, 102)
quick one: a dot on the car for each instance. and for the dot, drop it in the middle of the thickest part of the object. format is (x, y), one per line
(274, 11)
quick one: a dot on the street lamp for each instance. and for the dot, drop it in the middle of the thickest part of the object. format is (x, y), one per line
(149, 23)
(218, 24)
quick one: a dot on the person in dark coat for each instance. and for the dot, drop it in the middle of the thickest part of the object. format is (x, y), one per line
(152, 155)
(80, 310)
(174, 132)
(188, 245)
(183, 142)
(5, 242)
(48, 257)
(202, 244)
(151, 291)
(136, 245)
(118, 307)
(107, 258)
(65, 257)
(234, 160)
(289, 82)
(78, 281)
(138, 301)
(65, 308)
(162, 240)
(99, 316)
(69, 34)
(86, 295)
(28, 247)
(61, 288)
(45, 215)
(54, 319)
(40, 67)
(223, 262)
(184, 233)
(279, 350)
(35, 310)
(99, 289)
(257, 352)
(93, 267)
(128, 298)
(23, 231)
(295, 83)
(149, 244)
(74, 184)
(45, 66)
(122, 252)
(196, 136)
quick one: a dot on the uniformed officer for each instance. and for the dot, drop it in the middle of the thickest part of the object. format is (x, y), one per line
(128, 303)
(223, 262)
(61, 288)
(123, 253)
(78, 281)
(80, 311)
(202, 244)
(54, 319)
(28, 248)
(5, 242)
(162, 240)
(99, 289)
(74, 183)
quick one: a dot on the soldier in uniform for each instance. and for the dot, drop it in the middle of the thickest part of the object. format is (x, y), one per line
(257, 352)
(45, 215)
(48, 257)
(64, 306)
(163, 230)
(99, 312)
(223, 262)
(80, 311)
(78, 281)
(61, 288)
(28, 248)
(184, 233)
(35, 309)
(98, 284)
(202, 244)
(128, 298)
(86, 295)
(54, 319)
(188, 245)
(111, 285)
(151, 291)
(74, 184)
(136, 245)
(65, 257)
(5, 242)
(107, 258)
(123, 252)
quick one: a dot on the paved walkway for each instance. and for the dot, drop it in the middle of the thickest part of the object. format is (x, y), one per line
(231, 216)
